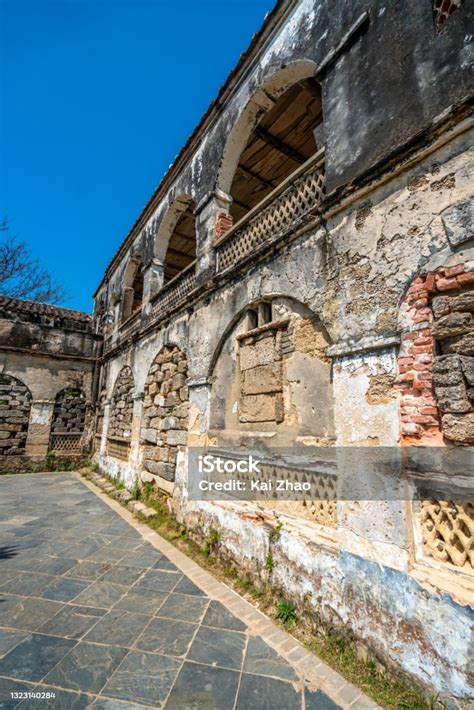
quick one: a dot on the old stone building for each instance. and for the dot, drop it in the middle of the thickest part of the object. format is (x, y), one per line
(303, 276)
(302, 279)
(48, 359)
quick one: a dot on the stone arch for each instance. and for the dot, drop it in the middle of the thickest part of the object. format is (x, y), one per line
(289, 101)
(132, 287)
(15, 404)
(69, 417)
(165, 412)
(270, 372)
(175, 242)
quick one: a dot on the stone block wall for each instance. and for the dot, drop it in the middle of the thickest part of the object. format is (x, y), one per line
(436, 363)
(15, 400)
(261, 382)
(69, 412)
(165, 414)
(121, 406)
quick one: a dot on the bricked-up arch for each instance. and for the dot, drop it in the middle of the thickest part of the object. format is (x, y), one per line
(119, 432)
(69, 416)
(279, 130)
(175, 244)
(165, 413)
(15, 402)
(132, 288)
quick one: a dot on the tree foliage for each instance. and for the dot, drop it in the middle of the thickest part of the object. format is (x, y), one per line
(23, 276)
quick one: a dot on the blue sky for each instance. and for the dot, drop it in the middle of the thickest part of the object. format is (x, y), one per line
(97, 98)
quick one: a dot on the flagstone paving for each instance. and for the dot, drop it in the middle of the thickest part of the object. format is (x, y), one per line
(94, 614)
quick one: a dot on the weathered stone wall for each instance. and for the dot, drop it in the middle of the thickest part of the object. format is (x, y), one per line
(15, 399)
(436, 360)
(121, 406)
(69, 412)
(345, 290)
(49, 350)
(165, 413)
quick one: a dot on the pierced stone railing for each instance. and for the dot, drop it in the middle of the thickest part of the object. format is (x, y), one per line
(65, 443)
(176, 291)
(276, 215)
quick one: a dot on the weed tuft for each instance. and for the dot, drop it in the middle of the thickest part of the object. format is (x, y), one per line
(286, 613)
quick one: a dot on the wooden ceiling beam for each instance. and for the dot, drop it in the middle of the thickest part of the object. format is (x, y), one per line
(177, 252)
(250, 173)
(279, 145)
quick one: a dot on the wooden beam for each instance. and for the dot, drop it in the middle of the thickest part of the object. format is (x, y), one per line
(183, 236)
(246, 171)
(279, 145)
(241, 204)
(177, 252)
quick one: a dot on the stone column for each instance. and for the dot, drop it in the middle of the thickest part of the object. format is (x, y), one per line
(105, 428)
(198, 425)
(212, 220)
(41, 416)
(135, 438)
(153, 278)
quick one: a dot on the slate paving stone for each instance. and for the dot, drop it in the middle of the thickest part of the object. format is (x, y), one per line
(164, 563)
(106, 553)
(64, 590)
(34, 657)
(185, 586)
(101, 594)
(118, 628)
(203, 687)
(9, 639)
(183, 607)
(88, 570)
(166, 636)
(260, 658)
(144, 678)
(72, 622)
(218, 647)
(28, 584)
(29, 613)
(57, 565)
(7, 576)
(87, 667)
(220, 617)
(63, 699)
(78, 551)
(158, 581)
(317, 700)
(144, 560)
(8, 686)
(122, 575)
(108, 704)
(141, 601)
(261, 693)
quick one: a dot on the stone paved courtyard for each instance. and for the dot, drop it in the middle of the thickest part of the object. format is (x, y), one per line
(92, 612)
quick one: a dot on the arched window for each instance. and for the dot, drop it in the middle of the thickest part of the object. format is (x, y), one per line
(69, 417)
(285, 136)
(133, 288)
(181, 249)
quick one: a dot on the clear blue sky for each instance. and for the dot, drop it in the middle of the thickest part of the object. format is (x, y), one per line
(98, 96)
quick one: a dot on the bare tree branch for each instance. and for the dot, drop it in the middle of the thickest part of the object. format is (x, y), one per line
(22, 276)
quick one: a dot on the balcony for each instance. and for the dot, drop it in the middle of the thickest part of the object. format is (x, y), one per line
(278, 214)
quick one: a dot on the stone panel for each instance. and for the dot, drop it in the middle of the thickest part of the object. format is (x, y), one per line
(15, 399)
(165, 414)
